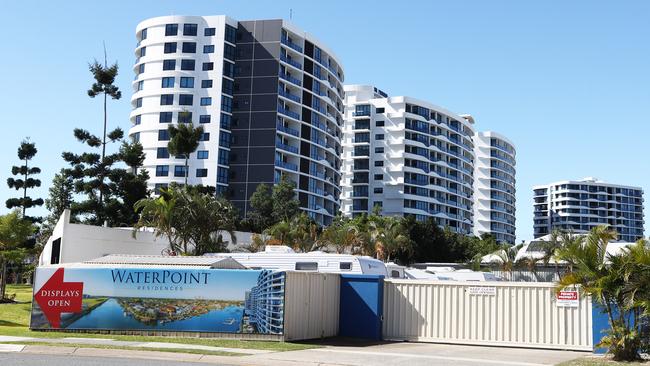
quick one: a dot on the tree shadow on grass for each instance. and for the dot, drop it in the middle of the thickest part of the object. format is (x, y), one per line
(5, 323)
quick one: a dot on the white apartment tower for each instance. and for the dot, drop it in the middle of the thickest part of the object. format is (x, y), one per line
(494, 186)
(580, 205)
(268, 95)
(406, 157)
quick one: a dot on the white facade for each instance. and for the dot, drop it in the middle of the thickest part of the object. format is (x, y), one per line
(580, 205)
(407, 156)
(494, 186)
(268, 95)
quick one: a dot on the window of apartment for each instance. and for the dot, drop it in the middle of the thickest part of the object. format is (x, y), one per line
(162, 153)
(167, 82)
(163, 135)
(141, 68)
(140, 85)
(379, 177)
(189, 47)
(185, 99)
(206, 101)
(224, 157)
(169, 65)
(143, 34)
(379, 163)
(205, 136)
(187, 65)
(207, 66)
(201, 173)
(306, 266)
(184, 117)
(179, 170)
(135, 137)
(224, 139)
(379, 110)
(228, 69)
(226, 103)
(158, 187)
(379, 123)
(209, 32)
(202, 154)
(138, 103)
(143, 51)
(170, 47)
(227, 86)
(189, 29)
(208, 48)
(231, 34)
(379, 150)
(206, 83)
(171, 30)
(204, 118)
(225, 121)
(229, 52)
(379, 136)
(362, 110)
(187, 82)
(138, 120)
(167, 99)
(165, 117)
(378, 190)
(162, 170)
(222, 175)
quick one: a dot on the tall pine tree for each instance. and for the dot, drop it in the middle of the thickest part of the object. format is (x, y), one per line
(26, 153)
(60, 199)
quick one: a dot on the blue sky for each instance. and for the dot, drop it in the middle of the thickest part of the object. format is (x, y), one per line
(567, 81)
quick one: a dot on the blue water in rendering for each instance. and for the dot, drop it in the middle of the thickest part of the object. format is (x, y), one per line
(110, 315)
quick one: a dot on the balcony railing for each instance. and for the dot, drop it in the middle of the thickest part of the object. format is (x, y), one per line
(317, 174)
(289, 113)
(286, 147)
(288, 130)
(319, 141)
(288, 95)
(287, 42)
(319, 108)
(291, 62)
(286, 165)
(317, 157)
(290, 79)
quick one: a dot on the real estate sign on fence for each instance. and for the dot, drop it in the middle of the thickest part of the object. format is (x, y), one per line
(198, 300)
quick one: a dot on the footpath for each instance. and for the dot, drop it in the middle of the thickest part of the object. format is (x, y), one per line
(334, 354)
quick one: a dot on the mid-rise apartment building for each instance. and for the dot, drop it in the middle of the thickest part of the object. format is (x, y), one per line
(494, 186)
(268, 95)
(581, 205)
(406, 157)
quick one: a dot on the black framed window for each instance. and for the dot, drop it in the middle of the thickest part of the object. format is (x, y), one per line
(169, 65)
(207, 66)
(208, 48)
(184, 117)
(201, 173)
(187, 65)
(225, 121)
(224, 157)
(138, 103)
(171, 29)
(206, 83)
(143, 51)
(204, 118)
(162, 153)
(185, 99)
(190, 29)
(162, 170)
(229, 52)
(228, 69)
(165, 117)
(187, 82)
(224, 139)
(170, 47)
(205, 136)
(163, 135)
(222, 175)
(167, 82)
(179, 170)
(167, 99)
(205, 101)
(209, 31)
(202, 154)
(226, 103)
(189, 47)
(227, 86)
(231, 34)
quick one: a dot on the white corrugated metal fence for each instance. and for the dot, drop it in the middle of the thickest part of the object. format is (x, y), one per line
(311, 308)
(487, 313)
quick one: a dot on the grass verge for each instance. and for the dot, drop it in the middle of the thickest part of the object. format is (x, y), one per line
(601, 361)
(106, 346)
(14, 321)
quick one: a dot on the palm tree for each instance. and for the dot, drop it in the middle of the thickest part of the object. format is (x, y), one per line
(390, 236)
(158, 213)
(506, 258)
(280, 233)
(637, 276)
(341, 235)
(304, 233)
(184, 140)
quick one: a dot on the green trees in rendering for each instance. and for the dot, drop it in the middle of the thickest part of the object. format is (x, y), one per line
(15, 231)
(24, 181)
(183, 141)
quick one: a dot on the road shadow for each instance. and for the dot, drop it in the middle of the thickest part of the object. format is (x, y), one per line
(346, 342)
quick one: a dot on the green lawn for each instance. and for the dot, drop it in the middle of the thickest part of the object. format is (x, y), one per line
(14, 321)
(600, 361)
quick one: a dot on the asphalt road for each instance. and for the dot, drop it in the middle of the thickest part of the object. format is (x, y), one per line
(26, 359)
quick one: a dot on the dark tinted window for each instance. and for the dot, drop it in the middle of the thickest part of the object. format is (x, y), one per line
(306, 266)
(171, 29)
(189, 29)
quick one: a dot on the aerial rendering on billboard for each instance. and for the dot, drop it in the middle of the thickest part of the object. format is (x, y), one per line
(201, 300)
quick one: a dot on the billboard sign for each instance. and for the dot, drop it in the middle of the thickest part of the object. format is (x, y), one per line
(199, 300)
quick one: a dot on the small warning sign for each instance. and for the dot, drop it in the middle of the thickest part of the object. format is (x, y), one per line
(567, 299)
(482, 290)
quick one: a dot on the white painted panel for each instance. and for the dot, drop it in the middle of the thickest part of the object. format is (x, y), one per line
(311, 305)
(520, 314)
